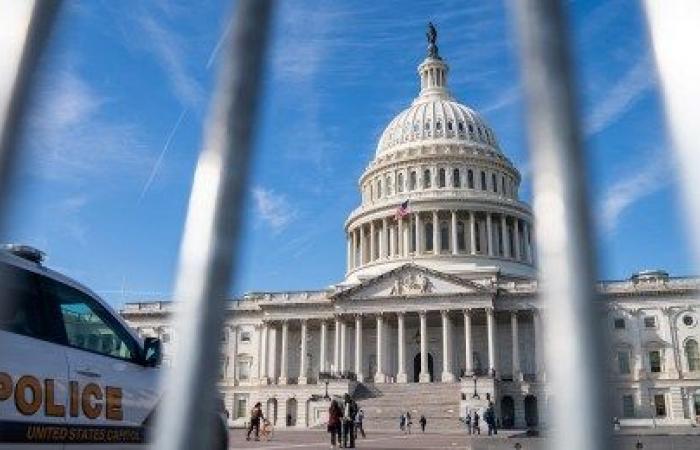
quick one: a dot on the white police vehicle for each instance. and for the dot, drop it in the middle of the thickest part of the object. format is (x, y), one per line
(73, 375)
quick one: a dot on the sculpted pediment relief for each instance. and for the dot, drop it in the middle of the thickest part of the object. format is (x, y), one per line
(411, 280)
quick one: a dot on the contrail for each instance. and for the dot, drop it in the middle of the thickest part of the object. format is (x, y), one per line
(217, 47)
(156, 166)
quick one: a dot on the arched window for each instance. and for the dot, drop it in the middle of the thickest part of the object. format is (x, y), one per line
(441, 178)
(438, 125)
(503, 185)
(449, 125)
(483, 180)
(692, 354)
(426, 179)
(412, 182)
(470, 179)
(456, 182)
(428, 236)
(461, 242)
(444, 236)
(412, 236)
(371, 192)
(461, 127)
(388, 185)
(494, 184)
(379, 189)
(399, 183)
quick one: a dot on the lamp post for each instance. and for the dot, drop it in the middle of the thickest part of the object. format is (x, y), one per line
(326, 396)
(475, 377)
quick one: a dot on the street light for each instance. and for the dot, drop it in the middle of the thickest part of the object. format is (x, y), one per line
(475, 377)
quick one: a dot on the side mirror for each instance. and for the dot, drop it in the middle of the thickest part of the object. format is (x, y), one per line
(152, 352)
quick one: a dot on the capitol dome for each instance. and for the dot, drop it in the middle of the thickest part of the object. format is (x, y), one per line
(439, 192)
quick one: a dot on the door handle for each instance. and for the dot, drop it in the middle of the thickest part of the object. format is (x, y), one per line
(88, 373)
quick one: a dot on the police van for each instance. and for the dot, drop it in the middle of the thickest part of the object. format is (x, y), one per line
(73, 375)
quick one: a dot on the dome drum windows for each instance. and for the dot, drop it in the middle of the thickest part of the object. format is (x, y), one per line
(470, 179)
(456, 182)
(399, 183)
(483, 181)
(413, 183)
(441, 178)
(427, 184)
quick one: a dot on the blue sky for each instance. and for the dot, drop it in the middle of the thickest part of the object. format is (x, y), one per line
(115, 127)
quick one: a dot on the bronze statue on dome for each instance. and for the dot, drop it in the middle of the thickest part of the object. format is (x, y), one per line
(431, 35)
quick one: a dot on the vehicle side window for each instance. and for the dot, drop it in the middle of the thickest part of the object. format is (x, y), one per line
(87, 324)
(21, 311)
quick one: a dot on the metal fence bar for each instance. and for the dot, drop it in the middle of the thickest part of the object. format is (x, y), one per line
(674, 27)
(43, 17)
(577, 413)
(209, 242)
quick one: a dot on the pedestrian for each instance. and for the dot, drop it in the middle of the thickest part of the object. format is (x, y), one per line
(358, 424)
(335, 414)
(475, 423)
(408, 422)
(490, 418)
(402, 422)
(468, 422)
(422, 421)
(255, 416)
(349, 414)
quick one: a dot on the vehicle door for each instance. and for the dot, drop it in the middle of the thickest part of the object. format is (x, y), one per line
(117, 391)
(33, 367)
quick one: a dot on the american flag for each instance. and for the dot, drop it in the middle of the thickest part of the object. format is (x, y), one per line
(402, 211)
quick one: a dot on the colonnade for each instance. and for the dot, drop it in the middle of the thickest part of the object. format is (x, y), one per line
(340, 365)
(440, 232)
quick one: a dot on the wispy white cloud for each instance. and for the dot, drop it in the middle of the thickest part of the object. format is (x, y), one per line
(273, 209)
(622, 96)
(622, 195)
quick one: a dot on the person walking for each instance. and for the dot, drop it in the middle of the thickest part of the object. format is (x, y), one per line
(256, 416)
(402, 422)
(468, 422)
(475, 423)
(358, 424)
(408, 422)
(349, 414)
(490, 418)
(335, 414)
(422, 422)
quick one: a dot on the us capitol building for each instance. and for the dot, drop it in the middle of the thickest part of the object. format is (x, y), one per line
(438, 311)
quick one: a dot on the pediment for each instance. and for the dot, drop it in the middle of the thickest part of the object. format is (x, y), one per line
(411, 280)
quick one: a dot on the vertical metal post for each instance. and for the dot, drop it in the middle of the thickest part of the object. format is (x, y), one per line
(43, 17)
(565, 247)
(674, 30)
(209, 242)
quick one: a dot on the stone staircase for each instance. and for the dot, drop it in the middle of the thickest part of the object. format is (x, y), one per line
(384, 403)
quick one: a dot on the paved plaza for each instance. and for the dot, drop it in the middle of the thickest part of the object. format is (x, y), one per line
(317, 439)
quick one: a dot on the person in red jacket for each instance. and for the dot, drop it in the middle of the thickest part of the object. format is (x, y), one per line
(335, 415)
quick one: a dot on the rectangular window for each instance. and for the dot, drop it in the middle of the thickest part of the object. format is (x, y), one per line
(627, 406)
(660, 405)
(241, 406)
(650, 322)
(245, 336)
(619, 324)
(655, 361)
(623, 362)
(243, 370)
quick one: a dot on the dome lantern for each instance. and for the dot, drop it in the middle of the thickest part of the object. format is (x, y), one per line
(433, 70)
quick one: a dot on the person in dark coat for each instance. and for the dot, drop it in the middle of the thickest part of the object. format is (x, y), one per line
(349, 414)
(256, 416)
(422, 422)
(475, 423)
(335, 415)
(490, 418)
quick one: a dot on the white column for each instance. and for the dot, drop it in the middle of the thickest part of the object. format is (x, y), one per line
(392, 241)
(447, 375)
(504, 236)
(283, 353)
(424, 376)
(516, 238)
(232, 353)
(263, 354)
(259, 330)
(455, 247)
(324, 345)
(302, 354)
(468, 352)
(472, 233)
(419, 235)
(401, 376)
(402, 239)
(362, 245)
(491, 326)
(372, 240)
(379, 377)
(358, 348)
(528, 242)
(489, 233)
(336, 346)
(539, 345)
(349, 256)
(353, 257)
(382, 244)
(437, 245)
(343, 348)
(517, 374)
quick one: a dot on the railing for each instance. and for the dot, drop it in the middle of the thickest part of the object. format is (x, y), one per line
(579, 418)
